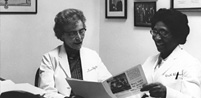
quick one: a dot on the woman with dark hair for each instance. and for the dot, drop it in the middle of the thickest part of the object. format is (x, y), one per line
(173, 73)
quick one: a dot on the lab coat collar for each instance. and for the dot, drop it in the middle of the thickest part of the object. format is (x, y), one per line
(169, 62)
(63, 60)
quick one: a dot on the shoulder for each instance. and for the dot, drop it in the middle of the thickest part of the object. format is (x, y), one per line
(189, 60)
(149, 62)
(54, 52)
(185, 56)
(190, 64)
(89, 53)
(152, 58)
(87, 50)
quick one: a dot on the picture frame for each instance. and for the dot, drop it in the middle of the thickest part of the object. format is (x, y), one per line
(18, 6)
(116, 9)
(186, 5)
(143, 11)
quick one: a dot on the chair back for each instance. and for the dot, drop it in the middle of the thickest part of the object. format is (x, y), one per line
(37, 77)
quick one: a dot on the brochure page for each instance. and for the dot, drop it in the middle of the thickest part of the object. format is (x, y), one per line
(121, 85)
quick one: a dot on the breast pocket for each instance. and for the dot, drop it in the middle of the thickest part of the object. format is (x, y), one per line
(91, 73)
(173, 80)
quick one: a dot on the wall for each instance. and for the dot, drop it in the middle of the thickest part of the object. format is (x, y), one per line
(122, 45)
(24, 38)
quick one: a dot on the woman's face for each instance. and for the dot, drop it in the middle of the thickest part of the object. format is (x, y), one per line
(164, 40)
(73, 35)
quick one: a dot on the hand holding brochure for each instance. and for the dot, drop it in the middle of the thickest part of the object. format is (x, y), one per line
(122, 85)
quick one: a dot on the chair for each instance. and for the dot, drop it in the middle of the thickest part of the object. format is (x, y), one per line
(2, 79)
(19, 94)
(37, 77)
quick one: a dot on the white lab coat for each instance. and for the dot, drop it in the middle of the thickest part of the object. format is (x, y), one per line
(55, 69)
(188, 82)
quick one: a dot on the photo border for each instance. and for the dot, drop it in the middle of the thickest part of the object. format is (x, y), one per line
(20, 9)
(115, 14)
(185, 6)
(137, 18)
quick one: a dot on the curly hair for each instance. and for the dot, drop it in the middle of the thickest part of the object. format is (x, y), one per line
(175, 21)
(65, 18)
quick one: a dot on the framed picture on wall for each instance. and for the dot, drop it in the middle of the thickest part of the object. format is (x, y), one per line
(143, 11)
(18, 6)
(116, 9)
(186, 5)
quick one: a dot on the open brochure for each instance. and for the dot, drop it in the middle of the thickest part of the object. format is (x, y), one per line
(121, 85)
(9, 85)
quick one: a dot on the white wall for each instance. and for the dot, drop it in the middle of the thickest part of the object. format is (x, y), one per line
(122, 45)
(25, 38)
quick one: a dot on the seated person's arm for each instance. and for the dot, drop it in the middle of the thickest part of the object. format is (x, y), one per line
(46, 78)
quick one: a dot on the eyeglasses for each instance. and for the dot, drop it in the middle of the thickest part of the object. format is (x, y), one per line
(73, 34)
(161, 32)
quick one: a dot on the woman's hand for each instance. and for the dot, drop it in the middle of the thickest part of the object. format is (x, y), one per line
(76, 96)
(155, 89)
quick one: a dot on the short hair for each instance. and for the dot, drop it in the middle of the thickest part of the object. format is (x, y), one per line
(175, 21)
(65, 18)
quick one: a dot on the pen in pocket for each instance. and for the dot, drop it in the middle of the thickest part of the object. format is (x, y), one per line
(177, 75)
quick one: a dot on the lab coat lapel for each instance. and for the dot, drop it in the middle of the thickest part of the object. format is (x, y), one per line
(148, 68)
(167, 64)
(164, 68)
(154, 71)
(64, 61)
(83, 62)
